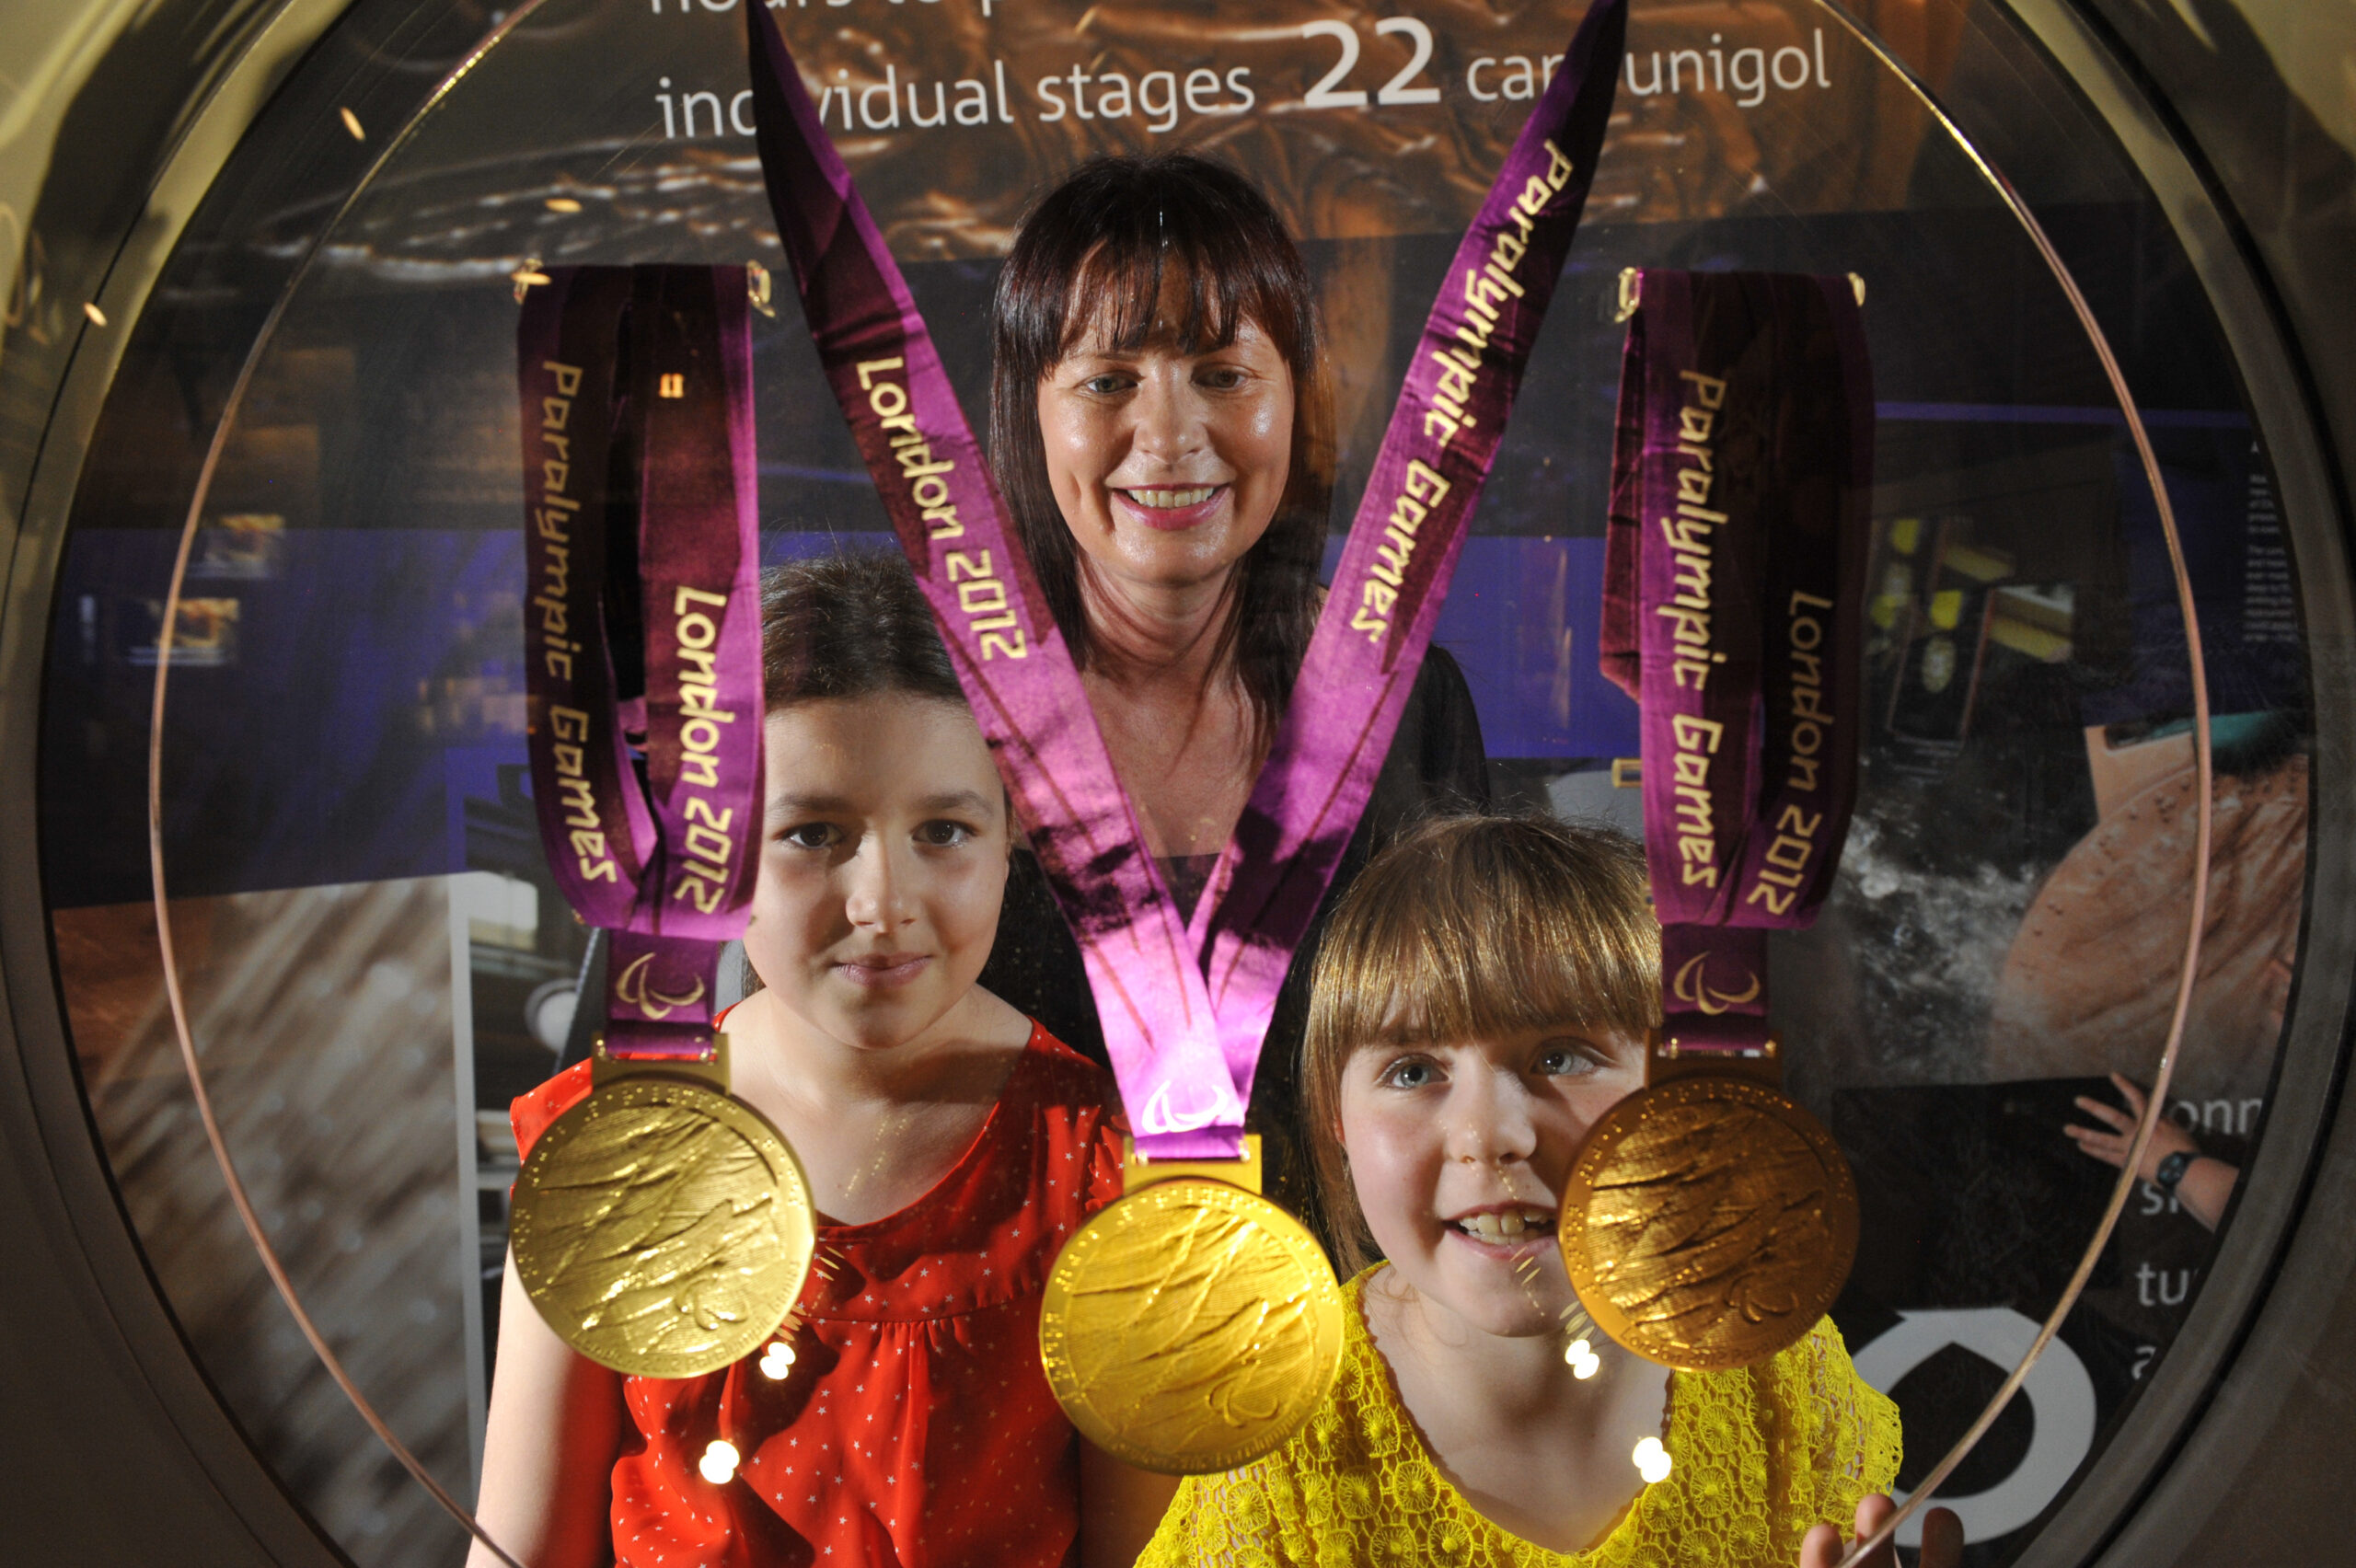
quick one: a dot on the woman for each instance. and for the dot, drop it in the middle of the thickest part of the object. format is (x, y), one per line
(1160, 426)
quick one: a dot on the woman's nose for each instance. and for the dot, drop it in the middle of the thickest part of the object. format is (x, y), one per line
(1169, 426)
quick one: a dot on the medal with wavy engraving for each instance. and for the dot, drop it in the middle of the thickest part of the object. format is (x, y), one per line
(1708, 1222)
(1191, 1327)
(661, 1228)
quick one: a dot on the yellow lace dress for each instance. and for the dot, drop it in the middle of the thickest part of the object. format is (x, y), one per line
(1761, 1455)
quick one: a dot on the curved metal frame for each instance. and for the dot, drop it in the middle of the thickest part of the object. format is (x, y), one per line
(2155, 1102)
(139, 1369)
(2261, 1284)
(182, 1031)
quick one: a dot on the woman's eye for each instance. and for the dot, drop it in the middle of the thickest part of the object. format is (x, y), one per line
(943, 834)
(813, 836)
(1224, 377)
(1104, 384)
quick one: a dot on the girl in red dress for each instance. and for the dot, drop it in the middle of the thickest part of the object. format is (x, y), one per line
(951, 1145)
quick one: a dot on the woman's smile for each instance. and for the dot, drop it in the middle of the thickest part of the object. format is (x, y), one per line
(1172, 509)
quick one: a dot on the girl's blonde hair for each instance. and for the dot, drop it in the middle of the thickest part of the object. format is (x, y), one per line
(1469, 928)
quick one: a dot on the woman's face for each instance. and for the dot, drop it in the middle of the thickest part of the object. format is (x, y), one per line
(1168, 466)
(1459, 1152)
(884, 862)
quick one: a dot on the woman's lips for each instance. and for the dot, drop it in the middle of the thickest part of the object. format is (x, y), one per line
(1171, 508)
(883, 971)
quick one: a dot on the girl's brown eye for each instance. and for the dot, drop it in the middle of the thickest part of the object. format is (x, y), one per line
(813, 836)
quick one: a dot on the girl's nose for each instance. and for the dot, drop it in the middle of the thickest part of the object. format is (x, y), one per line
(875, 897)
(1490, 1120)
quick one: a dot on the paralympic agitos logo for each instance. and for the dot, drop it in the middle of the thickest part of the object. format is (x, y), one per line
(1691, 986)
(635, 986)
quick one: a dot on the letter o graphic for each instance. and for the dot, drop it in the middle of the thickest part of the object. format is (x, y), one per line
(700, 638)
(1798, 54)
(2060, 1394)
(899, 398)
(1815, 632)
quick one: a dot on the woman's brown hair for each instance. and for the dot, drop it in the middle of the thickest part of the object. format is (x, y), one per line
(1465, 928)
(1093, 254)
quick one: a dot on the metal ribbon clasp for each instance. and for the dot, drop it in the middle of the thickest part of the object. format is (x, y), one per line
(1138, 1172)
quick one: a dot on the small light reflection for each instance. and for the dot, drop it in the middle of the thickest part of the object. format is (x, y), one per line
(351, 123)
(718, 1465)
(98, 318)
(777, 1361)
(563, 204)
(1651, 1460)
(1583, 1360)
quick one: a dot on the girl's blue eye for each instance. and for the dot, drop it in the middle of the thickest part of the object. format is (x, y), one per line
(1562, 1060)
(1411, 1072)
(813, 836)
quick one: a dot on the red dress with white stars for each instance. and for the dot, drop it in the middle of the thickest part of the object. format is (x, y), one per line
(916, 1428)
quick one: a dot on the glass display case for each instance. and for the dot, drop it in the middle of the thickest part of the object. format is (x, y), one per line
(277, 405)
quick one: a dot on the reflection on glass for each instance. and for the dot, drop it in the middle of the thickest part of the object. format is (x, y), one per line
(375, 951)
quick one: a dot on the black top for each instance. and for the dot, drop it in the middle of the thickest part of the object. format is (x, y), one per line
(1435, 767)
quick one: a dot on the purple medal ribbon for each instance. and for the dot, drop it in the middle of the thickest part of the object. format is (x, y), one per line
(1185, 1005)
(1403, 545)
(1016, 671)
(638, 467)
(1733, 611)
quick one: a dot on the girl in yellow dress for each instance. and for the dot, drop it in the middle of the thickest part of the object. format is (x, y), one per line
(1480, 997)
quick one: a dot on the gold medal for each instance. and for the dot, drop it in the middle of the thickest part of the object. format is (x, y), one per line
(661, 1228)
(1193, 1325)
(1708, 1222)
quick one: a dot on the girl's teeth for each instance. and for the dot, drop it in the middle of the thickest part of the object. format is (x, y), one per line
(1501, 1226)
(1170, 498)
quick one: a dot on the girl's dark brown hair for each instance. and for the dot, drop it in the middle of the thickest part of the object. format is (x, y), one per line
(1093, 254)
(842, 625)
(1465, 928)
